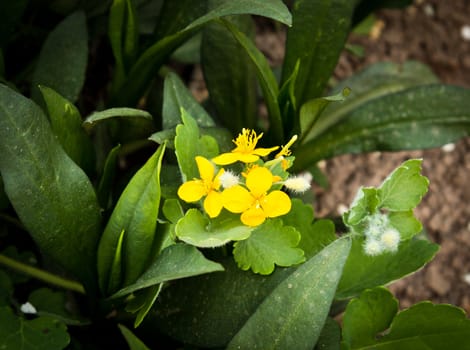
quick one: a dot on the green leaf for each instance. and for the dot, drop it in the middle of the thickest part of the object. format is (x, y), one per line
(96, 117)
(175, 262)
(188, 134)
(66, 123)
(52, 196)
(419, 117)
(330, 336)
(176, 96)
(373, 82)
(404, 188)
(363, 271)
(268, 245)
(107, 177)
(136, 213)
(293, 315)
(266, 79)
(406, 223)
(63, 58)
(365, 203)
(317, 38)
(312, 110)
(54, 304)
(196, 229)
(6, 289)
(428, 326)
(314, 235)
(172, 210)
(370, 322)
(133, 342)
(150, 61)
(143, 302)
(123, 35)
(367, 316)
(229, 73)
(42, 333)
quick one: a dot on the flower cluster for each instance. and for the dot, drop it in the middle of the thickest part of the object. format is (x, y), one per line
(256, 193)
(380, 235)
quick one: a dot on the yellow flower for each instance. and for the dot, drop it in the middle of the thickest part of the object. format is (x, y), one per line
(285, 151)
(208, 185)
(256, 204)
(246, 150)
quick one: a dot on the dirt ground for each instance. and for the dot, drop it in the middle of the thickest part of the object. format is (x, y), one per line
(432, 32)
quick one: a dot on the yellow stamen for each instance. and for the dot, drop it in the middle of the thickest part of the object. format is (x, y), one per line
(285, 151)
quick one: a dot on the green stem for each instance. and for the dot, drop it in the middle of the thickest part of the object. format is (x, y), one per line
(42, 275)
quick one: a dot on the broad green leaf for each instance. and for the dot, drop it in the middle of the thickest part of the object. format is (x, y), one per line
(363, 271)
(268, 245)
(151, 294)
(330, 336)
(52, 196)
(315, 235)
(54, 304)
(42, 333)
(376, 80)
(66, 123)
(371, 322)
(367, 316)
(405, 187)
(293, 315)
(96, 117)
(133, 342)
(229, 73)
(312, 110)
(176, 261)
(176, 96)
(419, 117)
(172, 210)
(188, 134)
(190, 317)
(123, 35)
(266, 79)
(428, 326)
(196, 229)
(63, 58)
(150, 61)
(136, 213)
(107, 177)
(317, 36)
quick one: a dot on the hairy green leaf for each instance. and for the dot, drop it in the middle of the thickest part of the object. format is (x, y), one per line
(52, 196)
(229, 73)
(136, 214)
(63, 58)
(293, 315)
(66, 123)
(176, 261)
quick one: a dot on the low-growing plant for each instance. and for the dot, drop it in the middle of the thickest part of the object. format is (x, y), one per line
(152, 220)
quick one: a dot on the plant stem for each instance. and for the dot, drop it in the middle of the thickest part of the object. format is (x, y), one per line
(42, 275)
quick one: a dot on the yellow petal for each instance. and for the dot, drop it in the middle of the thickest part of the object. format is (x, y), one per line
(206, 169)
(216, 182)
(276, 203)
(192, 191)
(259, 180)
(213, 203)
(264, 151)
(253, 217)
(225, 158)
(236, 199)
(247, 157)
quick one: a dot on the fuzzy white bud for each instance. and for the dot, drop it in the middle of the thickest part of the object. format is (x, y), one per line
(390, 239)
(373, 247)
(228, 179)
(298, 184)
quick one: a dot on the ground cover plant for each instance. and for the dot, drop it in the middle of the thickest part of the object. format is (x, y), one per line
(144, 219)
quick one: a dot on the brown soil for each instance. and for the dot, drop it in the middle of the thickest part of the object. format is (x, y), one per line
(428, 31)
